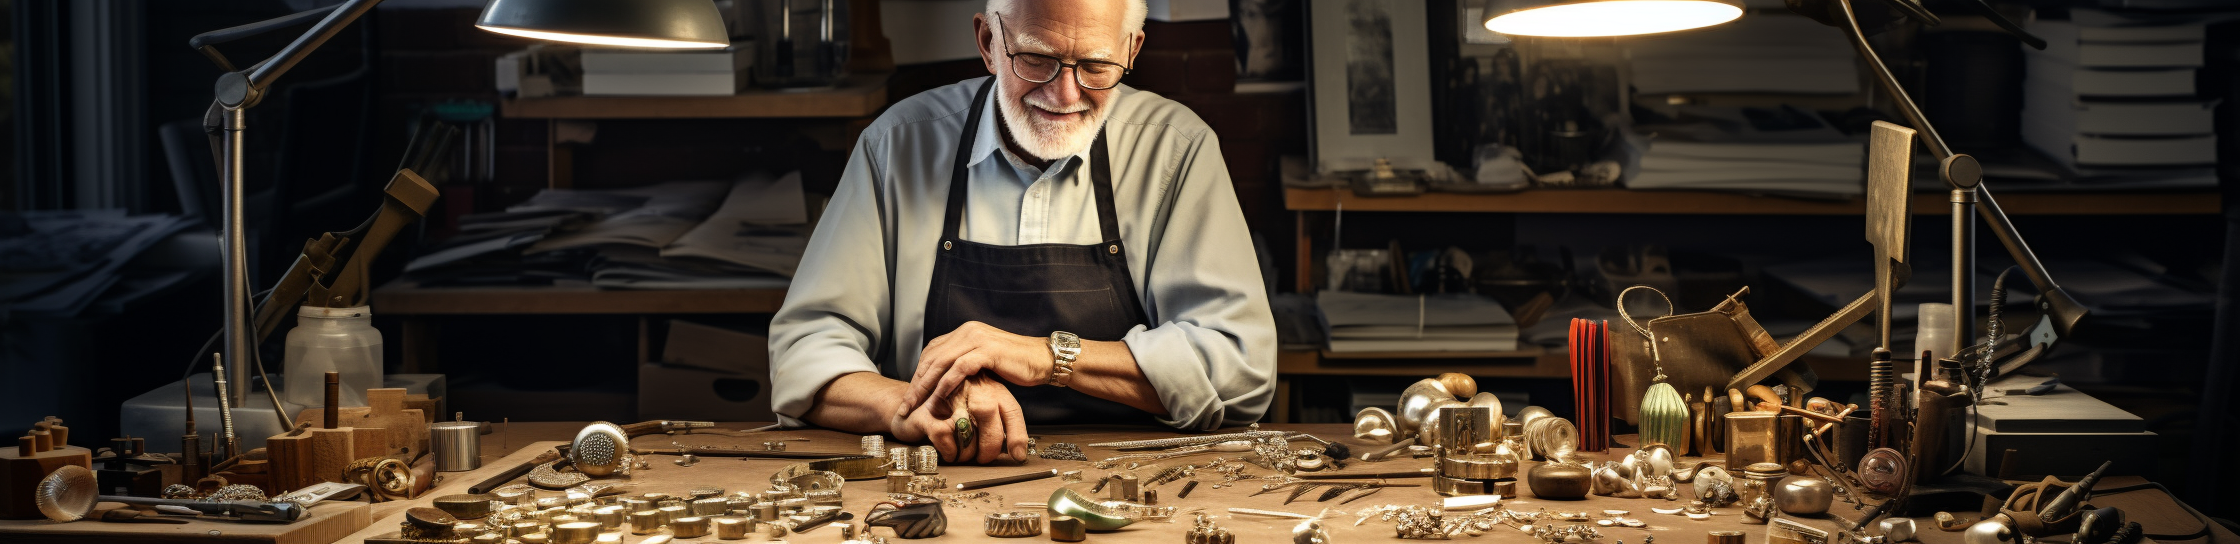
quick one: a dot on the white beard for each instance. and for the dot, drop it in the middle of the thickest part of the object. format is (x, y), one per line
(1045, 140)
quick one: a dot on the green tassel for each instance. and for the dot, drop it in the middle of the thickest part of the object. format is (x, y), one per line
(1664, 416)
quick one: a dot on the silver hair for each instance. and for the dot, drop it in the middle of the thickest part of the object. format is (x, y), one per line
(1131, 23)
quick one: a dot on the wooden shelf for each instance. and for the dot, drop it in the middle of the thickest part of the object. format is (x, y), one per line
(858, 96)
(1704, 202)
(405, 298)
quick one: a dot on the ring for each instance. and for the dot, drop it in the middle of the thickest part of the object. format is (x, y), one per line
(1014, 524)
(966, 434)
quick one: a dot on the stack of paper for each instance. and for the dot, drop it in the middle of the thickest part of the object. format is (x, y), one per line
(1765, 53)
(2110, 90)
(59, 263)
(649, 72)
(747, 233)
(1362, 322)
(1759, 150)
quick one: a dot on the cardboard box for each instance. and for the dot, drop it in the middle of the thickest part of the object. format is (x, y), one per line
(717, 349)
(677, 392)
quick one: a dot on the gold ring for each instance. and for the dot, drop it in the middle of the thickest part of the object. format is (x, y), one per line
(966, 434)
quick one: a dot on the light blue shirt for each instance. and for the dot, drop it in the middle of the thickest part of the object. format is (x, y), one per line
(858, 302)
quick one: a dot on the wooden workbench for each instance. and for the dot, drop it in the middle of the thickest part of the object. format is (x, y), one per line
(965, 523)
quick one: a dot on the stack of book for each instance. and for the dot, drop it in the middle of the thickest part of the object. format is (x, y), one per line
(1781, 150)
(661, 72)
(2117, 91)
(1365, 322)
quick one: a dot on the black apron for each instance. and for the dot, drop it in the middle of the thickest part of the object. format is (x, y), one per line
(1037, 289)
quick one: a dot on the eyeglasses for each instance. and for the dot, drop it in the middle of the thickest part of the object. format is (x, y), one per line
(1095, 75)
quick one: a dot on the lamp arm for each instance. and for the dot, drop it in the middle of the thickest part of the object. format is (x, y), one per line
(281, 62)
(207, 42)
(1963, 174)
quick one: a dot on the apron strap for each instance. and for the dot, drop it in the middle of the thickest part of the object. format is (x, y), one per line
(1100, 163)
(959, 173)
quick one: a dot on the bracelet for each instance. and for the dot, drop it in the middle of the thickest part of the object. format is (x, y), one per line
(1014, 524)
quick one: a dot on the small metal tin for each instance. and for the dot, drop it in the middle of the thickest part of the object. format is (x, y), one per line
(582, 532)
(1128, 488)
(1067, 529)
(1725, 537)
(733, 528)
(712, 506)
(645, 522)
(689, 527)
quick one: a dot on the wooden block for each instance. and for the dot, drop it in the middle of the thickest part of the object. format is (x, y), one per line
(331, 451)
(426, 406)
(291, 459)
(408, 429)
(369, 442)
(20, 475)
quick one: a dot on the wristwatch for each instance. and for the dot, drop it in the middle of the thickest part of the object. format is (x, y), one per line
(1064, 347)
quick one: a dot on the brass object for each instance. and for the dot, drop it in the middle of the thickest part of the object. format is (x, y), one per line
(1014, 524)
(927, 461)
(1203, 531)
(1559, 481)
(1897, 529)
(1882, 471)
(1463, 427)
(1786, 531)
(733, 528)
(1725, 537)
(1490, 402)
(1068, 529)
(645, 522)
(67, 494)
(600, 449)
(1551, 437)
(1804, 496)
(466, 506)
(581, 532)
(1376, 425)
(1311, 531)
(690, 527)
(898, 481)
(1478, 467)
(1129, 488)
(425, 523)
(1418, 401)
(609, 517)
(712, 506)
(1757, 437)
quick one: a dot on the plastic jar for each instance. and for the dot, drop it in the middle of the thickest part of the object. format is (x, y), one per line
(332, 340)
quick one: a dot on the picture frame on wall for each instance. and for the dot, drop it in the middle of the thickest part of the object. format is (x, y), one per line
(1369, 83)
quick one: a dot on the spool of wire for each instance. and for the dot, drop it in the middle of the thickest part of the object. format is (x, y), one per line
(1881, 375)
(874, 445)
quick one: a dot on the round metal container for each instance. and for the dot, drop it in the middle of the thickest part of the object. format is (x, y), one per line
(456, 444)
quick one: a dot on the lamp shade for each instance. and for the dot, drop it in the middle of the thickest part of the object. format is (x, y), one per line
(1613, 18)
(671, 24)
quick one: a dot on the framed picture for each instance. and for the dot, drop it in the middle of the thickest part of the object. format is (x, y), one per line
(1369, 79)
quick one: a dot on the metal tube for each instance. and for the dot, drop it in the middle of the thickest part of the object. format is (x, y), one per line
(236, 251)
(1882, 73)
(1963, 269)
(262, 76)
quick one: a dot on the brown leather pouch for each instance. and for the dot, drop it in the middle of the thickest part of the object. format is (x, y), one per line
(1697, 350)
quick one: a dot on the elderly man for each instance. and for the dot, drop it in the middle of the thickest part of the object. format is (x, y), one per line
(1044, 245)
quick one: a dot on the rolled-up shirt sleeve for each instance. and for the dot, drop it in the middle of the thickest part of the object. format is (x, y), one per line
(1212, 354)
(829, 327)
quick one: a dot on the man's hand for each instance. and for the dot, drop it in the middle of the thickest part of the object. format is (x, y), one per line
(1000, 425)
(976, 349)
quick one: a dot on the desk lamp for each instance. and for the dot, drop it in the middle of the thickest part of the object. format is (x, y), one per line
(634, 23)
(1889, 163)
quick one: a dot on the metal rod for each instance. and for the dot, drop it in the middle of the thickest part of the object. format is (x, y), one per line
(1882, 73)
(229, 445)
(262, 76)
(236, 251)
(1007, 480)
(1963, 268)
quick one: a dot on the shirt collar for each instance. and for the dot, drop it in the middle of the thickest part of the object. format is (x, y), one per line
(989, 142)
